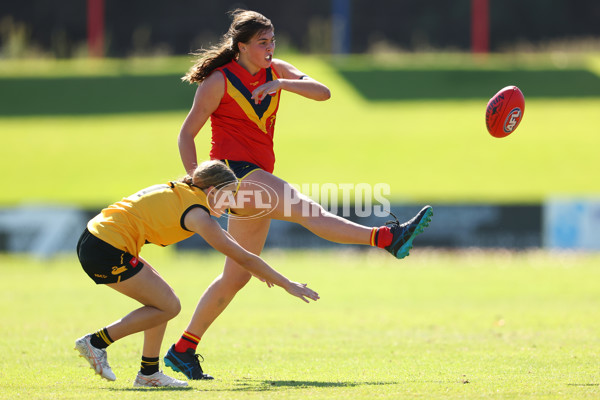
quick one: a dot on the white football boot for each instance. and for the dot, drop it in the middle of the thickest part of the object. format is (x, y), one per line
(96, 357)
(157, 379)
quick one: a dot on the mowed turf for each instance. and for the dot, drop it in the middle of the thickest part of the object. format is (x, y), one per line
(109, 136)
(436, 325)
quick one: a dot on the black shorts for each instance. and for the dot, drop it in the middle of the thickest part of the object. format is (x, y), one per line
(105, 263)
(241, 169)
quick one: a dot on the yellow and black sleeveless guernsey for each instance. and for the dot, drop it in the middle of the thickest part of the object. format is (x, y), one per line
(153, 215)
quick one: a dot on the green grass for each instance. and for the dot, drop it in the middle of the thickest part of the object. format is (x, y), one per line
(118, 134)
(437, 325)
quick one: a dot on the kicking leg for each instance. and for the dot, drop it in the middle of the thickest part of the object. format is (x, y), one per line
(396, 238)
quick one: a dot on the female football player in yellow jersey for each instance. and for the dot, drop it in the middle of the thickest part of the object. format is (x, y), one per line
(239, 87)
(162, 214)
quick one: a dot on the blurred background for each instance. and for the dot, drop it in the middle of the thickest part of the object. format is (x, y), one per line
(92, 102)
(78, 28)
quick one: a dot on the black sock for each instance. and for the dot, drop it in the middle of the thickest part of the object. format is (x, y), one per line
(149, 365)
(101, 339)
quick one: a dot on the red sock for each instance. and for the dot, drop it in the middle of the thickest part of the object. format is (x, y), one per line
(381, 237)
(187, 341)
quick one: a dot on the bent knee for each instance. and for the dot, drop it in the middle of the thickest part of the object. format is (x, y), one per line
(173, 307)
(233, 283)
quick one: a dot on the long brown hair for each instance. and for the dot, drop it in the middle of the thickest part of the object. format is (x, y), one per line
(246, 24)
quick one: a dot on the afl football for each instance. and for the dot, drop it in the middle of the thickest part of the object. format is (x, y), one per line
(504, 111)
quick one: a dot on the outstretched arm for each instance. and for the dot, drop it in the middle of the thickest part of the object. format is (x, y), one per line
(206, 100)
(199, 221)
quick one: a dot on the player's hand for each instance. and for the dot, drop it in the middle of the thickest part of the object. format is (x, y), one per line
(269, 88)
(302, 291)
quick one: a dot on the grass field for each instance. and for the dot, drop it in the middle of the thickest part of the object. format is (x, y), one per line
(81, 134)
(437, 325)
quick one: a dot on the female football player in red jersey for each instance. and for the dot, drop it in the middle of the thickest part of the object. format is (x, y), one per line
(162, 214)
(239, 85)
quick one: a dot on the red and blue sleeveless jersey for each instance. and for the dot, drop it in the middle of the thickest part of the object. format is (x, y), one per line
(241, 129)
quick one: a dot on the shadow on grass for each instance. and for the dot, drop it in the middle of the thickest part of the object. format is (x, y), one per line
(150, 389)
(583, 384)
(406, 84)
(256, 385)
(94, 95)
(274, 385)
(155, 93)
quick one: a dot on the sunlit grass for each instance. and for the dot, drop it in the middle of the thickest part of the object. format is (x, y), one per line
(436, 325)
(427, 151)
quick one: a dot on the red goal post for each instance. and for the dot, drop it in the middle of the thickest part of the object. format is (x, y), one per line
(480, 26)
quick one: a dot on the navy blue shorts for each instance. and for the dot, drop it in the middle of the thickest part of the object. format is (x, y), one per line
(105, 263)
(241, 169)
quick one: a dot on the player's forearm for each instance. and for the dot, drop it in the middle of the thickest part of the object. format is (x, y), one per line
(187, 151)
(257, 266)
(306, 87)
